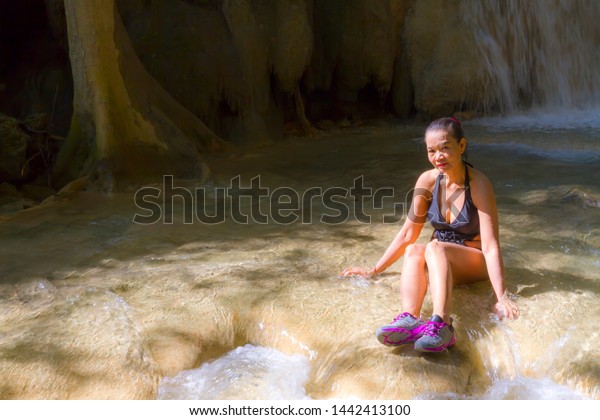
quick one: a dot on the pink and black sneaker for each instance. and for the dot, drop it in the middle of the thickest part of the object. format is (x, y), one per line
(405, 328)
(437, 336)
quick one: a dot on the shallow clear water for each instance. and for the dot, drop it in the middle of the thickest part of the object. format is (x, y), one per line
(92, 302)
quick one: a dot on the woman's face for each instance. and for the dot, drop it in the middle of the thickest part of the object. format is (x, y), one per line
(443, 150)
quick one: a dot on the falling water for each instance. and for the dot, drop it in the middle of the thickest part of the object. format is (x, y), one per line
(538, 53)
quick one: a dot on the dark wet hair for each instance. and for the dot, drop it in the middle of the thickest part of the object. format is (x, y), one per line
(451, 126)
(448, 124)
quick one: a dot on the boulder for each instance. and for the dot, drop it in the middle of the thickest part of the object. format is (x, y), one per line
(445, 66)
(217, 60)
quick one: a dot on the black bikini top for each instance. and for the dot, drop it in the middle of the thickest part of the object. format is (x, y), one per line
(466, 225)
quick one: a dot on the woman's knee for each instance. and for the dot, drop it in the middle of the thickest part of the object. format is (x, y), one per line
(415, 251)
(435, 249)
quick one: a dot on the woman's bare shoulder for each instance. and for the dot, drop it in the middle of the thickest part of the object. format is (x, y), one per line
(427, 179)
(479, 179)
(482, 189)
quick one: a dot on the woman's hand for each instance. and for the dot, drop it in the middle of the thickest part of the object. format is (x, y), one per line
(357, 271)
(506, 308)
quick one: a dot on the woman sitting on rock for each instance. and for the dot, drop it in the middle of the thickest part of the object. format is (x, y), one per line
(460, 203)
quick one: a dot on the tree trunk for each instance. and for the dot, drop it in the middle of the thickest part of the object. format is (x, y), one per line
(125, 128)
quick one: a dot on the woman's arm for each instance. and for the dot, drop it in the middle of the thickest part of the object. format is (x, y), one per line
(410, 231)
(485, 201)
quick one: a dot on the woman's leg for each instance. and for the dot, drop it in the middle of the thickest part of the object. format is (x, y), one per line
(450, 264)
(413, 286)
(413, 283)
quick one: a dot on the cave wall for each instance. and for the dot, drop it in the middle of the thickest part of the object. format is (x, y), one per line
(236, 63)
(445, 67)
(350, 59)
(242, 66)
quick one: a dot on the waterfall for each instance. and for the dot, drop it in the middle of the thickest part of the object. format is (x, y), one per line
(537, 53)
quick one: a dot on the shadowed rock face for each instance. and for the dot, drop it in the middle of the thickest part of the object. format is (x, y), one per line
(236, 64)
(445, 67)
(259, 52)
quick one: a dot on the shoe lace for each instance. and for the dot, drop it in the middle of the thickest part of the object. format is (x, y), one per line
(433, 328)
(400, 316)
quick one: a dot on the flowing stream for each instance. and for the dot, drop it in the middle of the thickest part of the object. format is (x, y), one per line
(94, 305)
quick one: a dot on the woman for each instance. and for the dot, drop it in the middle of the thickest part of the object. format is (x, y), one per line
(459, 202)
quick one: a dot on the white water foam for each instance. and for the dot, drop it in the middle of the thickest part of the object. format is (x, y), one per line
(245, 373)
(525, 388)
(544, 120)
(518, 388)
